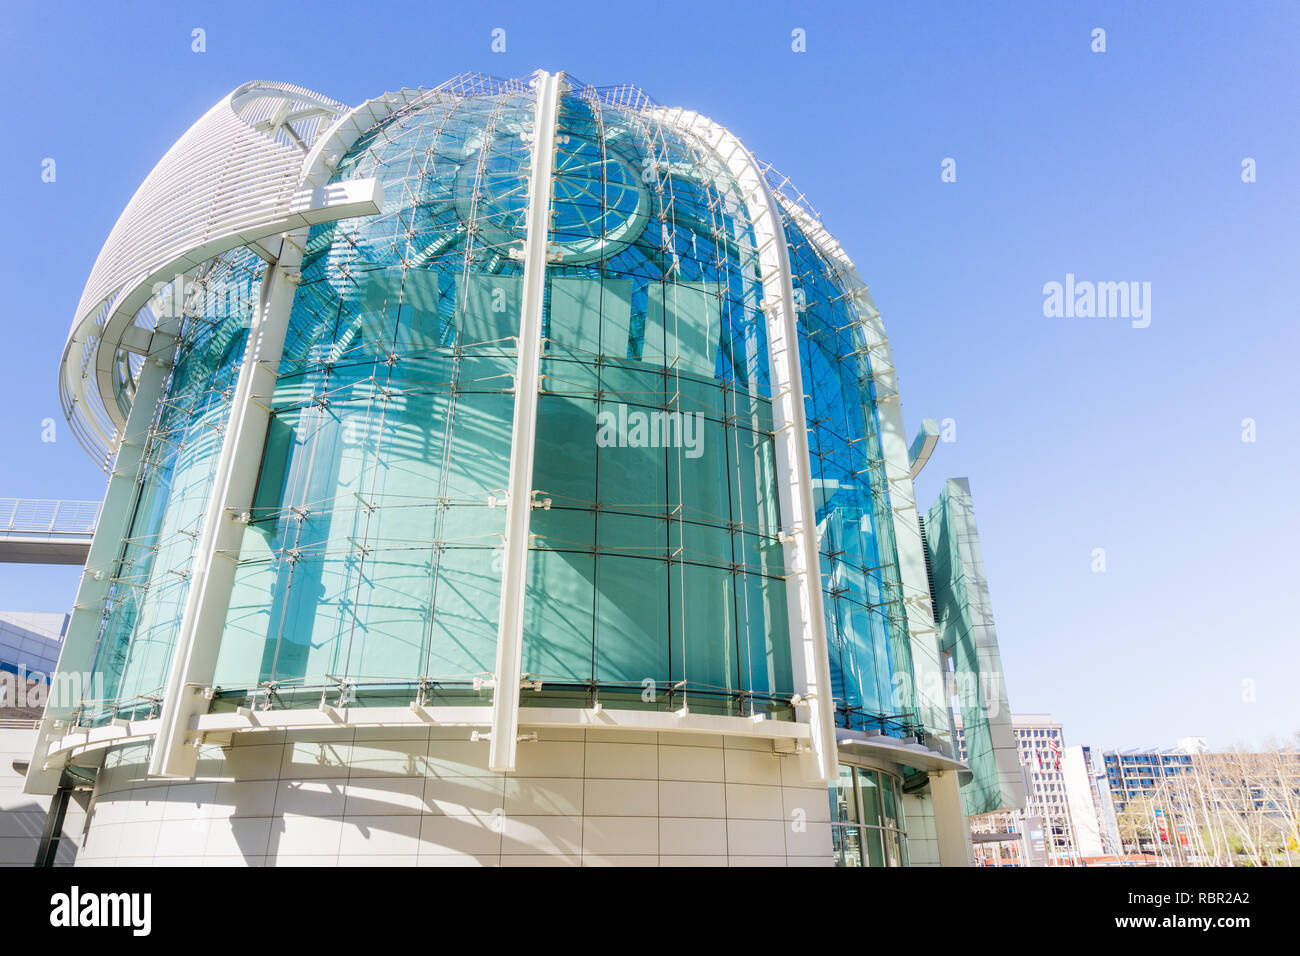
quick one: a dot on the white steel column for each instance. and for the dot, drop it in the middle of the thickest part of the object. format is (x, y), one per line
(951, 828)
(929, 699)
(212, 575)
(519, 492)
(115, 516)
(809, 656)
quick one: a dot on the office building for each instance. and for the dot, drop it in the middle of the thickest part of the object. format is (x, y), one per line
(1188, 805)
(1062, 802)
(29, 650)
(1038, 747)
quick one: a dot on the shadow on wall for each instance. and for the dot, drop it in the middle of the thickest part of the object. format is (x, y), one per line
(316, 799)
(23, 817)
(401, 796)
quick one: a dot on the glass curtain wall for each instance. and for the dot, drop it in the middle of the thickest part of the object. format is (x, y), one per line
(656, 578)
(370, 571)
(373, 560)
(142, 614)
(968, 640)
(374, 555)
(866, 626)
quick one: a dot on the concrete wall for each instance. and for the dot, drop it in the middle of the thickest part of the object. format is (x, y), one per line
(22, 817)
(425, 797)
(922, 838)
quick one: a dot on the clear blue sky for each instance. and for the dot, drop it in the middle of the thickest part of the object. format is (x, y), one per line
(1075, 433)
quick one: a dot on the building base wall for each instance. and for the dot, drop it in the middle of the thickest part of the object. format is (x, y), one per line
(424, 796)
(22, 816)
(922, 840)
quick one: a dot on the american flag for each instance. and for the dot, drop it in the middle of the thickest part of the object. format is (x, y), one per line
(1056, 751)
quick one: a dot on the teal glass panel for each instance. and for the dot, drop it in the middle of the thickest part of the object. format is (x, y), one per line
(631, 479)
(682, 326)
(488, 309)
(478, 462)
(589, 317)
(392, 605)
(420, 328)
(559, 621)
(566, 472)
(763, 634)
(889, 802)
(751, 480)
(466, 599)
(704, 648)
(634, 535)
(632, 629)
(254, 617)
(699, 472)
(635, 385)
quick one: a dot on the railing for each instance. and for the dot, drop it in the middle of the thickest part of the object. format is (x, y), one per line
(18, 723)
(43, 517)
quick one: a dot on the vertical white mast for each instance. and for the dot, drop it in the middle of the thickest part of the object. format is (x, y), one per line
(810, 661)
(212, 575)
(101, 564)
(523, 435)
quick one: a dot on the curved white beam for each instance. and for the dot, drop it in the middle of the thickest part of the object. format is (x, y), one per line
(111, 530)
(807, 619)
(928, 676)
(68, 743)
(923, 446)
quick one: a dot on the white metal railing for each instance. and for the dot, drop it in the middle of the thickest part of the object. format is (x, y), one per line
(43, 516)
(18, 723)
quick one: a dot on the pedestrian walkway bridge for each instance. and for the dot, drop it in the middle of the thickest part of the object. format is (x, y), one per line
(46, 531)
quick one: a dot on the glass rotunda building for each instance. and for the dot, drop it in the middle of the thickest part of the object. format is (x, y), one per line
(506, 472)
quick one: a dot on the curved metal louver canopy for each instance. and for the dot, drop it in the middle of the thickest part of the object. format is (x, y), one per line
(233, 179)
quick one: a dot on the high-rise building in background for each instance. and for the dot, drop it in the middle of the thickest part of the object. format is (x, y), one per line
(1181, 806)
(506, 472)
(1067, 804)
(1040, 751)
